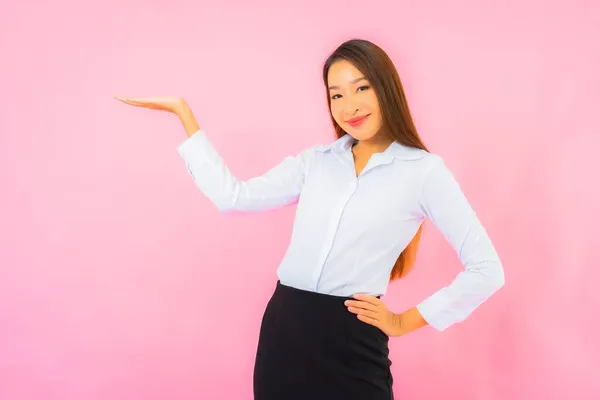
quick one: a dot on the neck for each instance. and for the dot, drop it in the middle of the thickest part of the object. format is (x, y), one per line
(376, 144)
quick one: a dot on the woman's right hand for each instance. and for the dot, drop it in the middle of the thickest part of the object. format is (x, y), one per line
(175, 105)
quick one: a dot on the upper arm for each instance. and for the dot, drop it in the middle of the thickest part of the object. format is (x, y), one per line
(444, 203)
(446, 206)
(279, 186)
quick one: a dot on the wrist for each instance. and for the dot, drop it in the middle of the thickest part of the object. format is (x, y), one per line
(408, 321)
(181, 108)
(186, 116)
(397, 323)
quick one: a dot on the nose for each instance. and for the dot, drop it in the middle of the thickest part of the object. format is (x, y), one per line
(351, 108)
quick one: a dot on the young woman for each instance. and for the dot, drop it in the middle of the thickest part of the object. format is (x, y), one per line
(361, 201)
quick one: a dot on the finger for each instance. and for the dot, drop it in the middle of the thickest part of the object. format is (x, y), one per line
(139, 100)
(361, 304)
(132, 100)
(365, 313)
(126, 100)
(122, 99)
(139, 103)
(368, 320)
(368, 298)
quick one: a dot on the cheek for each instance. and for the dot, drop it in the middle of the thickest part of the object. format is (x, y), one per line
(376, 122)
(377, 116)
(372, 103)
(375, 111)
(337, 114)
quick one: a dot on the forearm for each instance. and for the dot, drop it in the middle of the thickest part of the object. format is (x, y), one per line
(279, 186)
(186, 116)
(408, 321)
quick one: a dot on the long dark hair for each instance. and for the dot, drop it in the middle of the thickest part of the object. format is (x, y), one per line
(379, 69)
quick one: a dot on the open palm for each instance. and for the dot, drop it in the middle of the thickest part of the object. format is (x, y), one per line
(170, 104)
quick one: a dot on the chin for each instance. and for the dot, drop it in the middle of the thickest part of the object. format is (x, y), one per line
(360, 134)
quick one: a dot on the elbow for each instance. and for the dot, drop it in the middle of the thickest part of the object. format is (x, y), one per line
(228, 200)
(223, 205)
(221, 201)
(496, 277)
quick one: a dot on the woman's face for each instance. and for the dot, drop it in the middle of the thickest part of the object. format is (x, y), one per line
(354, 105)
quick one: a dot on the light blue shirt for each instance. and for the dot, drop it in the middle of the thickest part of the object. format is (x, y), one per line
(349, 231)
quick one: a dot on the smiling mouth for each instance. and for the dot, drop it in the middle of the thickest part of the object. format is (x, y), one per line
(357, 121)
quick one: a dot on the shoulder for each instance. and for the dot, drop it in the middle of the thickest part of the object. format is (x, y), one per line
(311, 151)
(422, 160)
(430, 170)
(432, 160)
(434, 167)
(318, 149)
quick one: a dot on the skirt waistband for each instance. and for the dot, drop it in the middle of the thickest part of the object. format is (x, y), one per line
(290, 290)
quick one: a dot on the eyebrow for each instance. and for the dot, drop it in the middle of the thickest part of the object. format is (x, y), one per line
(354, 81)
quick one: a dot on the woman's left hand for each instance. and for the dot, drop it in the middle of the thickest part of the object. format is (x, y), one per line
(372, 311)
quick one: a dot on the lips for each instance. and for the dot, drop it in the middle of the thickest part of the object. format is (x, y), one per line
(357, 121)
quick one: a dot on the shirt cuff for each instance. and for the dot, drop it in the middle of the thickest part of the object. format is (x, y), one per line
(191, 145)
(434, 311)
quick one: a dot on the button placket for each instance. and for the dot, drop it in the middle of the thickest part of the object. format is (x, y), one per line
(331, 233)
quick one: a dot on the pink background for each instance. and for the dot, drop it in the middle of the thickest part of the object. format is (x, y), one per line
(119, 280)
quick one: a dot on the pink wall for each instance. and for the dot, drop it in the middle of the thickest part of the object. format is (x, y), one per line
(119, 280)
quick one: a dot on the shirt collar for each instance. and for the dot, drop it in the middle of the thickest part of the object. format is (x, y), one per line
(395, 150)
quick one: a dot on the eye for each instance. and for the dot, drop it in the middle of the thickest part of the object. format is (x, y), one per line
(333, 97)
(364, 87)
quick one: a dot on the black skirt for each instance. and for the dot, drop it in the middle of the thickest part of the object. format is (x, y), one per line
(311, 348)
